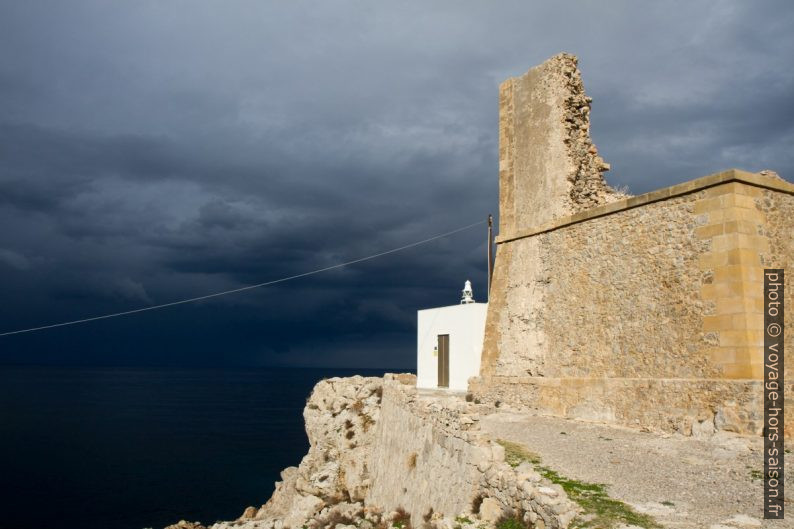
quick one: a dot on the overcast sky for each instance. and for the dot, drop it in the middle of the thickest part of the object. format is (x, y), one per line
(151, 151)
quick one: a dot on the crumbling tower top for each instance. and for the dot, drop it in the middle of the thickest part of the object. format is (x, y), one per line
(548, 166)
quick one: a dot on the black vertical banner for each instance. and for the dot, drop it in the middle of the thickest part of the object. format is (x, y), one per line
(774, 286)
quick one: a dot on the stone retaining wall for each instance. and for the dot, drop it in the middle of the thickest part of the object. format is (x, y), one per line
(431, 459)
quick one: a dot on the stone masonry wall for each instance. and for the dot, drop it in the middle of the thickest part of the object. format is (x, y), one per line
(429, 460)
(610, 297)
(646, 311)
(778, 228)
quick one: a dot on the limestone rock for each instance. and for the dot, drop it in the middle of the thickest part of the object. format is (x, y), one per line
(703, 428)
(303, 508)
(183, 524)
(548, 491)
(742, 520)
(491, 510)
(770, 173)
(727, 419)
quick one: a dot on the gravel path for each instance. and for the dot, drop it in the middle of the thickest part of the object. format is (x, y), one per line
(680, 481)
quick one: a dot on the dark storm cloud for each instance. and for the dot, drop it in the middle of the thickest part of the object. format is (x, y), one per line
(151, 151)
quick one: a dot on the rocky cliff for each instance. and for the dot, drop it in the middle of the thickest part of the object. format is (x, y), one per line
(383, 455)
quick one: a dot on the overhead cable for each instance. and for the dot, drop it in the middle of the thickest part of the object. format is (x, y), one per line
(243, 289)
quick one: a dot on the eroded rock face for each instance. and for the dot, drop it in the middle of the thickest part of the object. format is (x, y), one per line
(379, 451)
(340, 420)
(340, 416)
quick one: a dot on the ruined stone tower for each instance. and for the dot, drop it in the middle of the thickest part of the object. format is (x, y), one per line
(644, 311)
(548, 166)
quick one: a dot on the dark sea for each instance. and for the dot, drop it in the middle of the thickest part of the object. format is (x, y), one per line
(128, 448)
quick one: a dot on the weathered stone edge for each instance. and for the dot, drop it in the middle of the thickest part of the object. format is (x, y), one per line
(724, 177)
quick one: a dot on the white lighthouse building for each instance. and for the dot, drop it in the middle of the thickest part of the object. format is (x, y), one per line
(449, 343)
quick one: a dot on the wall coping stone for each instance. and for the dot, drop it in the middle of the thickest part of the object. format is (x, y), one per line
(685, 188)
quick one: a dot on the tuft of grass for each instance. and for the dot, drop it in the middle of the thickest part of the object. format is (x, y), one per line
(510, 523)
(463, 519)
(601, 511)
(668, 503)
(757, 474)
(515, 454)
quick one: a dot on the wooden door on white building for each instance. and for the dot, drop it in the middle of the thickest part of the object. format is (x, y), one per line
(443, 360)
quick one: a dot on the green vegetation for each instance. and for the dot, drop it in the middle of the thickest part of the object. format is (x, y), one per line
(510, 523)
(462, 519)
(668, 503)
(600, 511)
(515, 454)
(757, 474)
